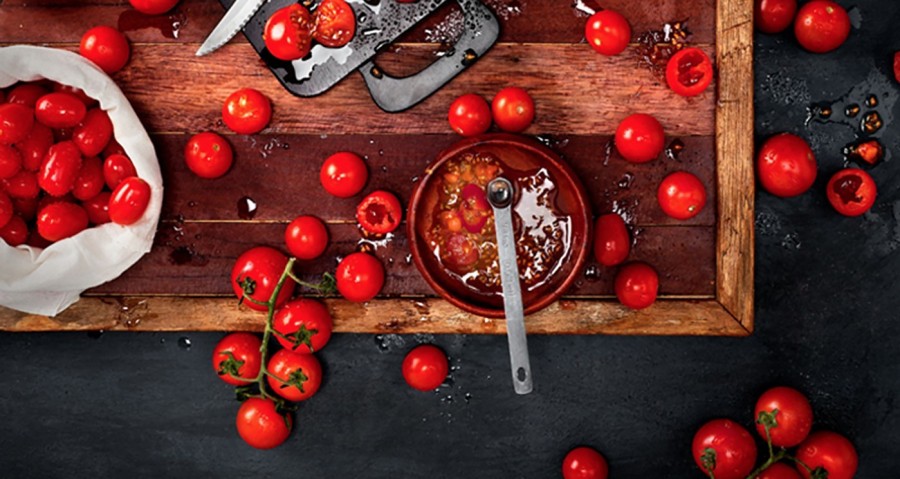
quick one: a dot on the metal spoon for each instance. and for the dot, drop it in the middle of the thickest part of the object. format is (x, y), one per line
(500, 195)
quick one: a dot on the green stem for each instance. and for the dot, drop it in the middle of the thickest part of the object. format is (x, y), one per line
(773, 458)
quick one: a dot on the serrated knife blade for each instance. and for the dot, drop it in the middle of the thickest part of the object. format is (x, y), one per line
(234, 20)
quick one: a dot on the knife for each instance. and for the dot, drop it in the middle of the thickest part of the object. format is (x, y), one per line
(234, 20)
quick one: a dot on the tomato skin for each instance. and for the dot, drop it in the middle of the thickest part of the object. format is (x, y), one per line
(774, 16)
(612, 243)
(821, 26)
(640, 138)
(98, 208)
(94, 133)
(153, 7)
(779, 470)
(15, 122)
(34, 147)
(246, 111)
(116, 168)
(26, 94)
(584, 463)
(689, 72)
(794, 418)
(10, 161)
(89, 181)
(513, 109)
(851, 192)
(7, 209)
(129, 201)
(681, 195)
(607, 32)
(264, 266)
(260, 425)
(335, 23)
(459, 252)
(106, 47)
(831, 451)
(299, 315)
(23, 185)
(61, 220)
(76, 92)
(15, 232)
(469, 115)
(245, 348)
(59, 110)
(379, 213)
(360, 277)
(637, 285)
(208, 155)
(344, 174)
(60, 169)
(425, 367)
(734, 447)
(283, 364)
(306, 237)
(786, 165)
(288, 33)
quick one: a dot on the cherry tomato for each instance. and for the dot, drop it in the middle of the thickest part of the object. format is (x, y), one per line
(153, 7)
(774, 16)
(34, 147)
(425, 367)
(584, 463)
(513, 109)
(60, 220)
(89, 181)
(10, 161)
(59, 110)
(7, 209)
(261, 425)
(607, 32)
(98, 208)
(15, 232)
(129, 201)
(681, 195)
(335, 23)
(106, 47)
(379, 212)
(116, 168)
(689, 72)
(725, 448)
(260, 268)
(94, 133)
(60, 169)
(113, 148)
(830, 451)
(22, 185)
(15, 122)
(821, 26)
(303, 325)
(26, 94)
(208, 155)
(26, 207)
(786, 165)
(851, 191)
(294, 376)
(344, 174)
(612, 243)
(306, 237)
(246, 111)
(640, 138)
(792, 414)
(76, 92)
(288, 33)
(474, 209)
(469, 115)
(779, 470)
(360, 277)
(636, 285)
(237, 354)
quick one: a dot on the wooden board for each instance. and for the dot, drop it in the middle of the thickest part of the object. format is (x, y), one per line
(706, 263)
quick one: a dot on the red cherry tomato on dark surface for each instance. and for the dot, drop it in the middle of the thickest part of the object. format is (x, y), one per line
(851, 191)
(793, 418)
(208, 155)
(288, 33)
(261, 425)
(15, 122)
(779, 470)
(774, 16)
(513, 109)
(98, 208)
(60, 220)
(116, 168)
(10, 161)
(584, 463)
(15, 232)
(94, 133)
(306, 237)
(22, 185)
(153, 7)
(303, 325)
(640, 138)
(636, 285)
(681, 195)
(246, 111)
(425, 367)
(726, 445)
(830, 451)
(89, 181)
(60, 169)
(689, 72)
(262, 266)
(237, 354)
(34, 147)
(302, 371)
(612, 243)
(821, 26)
(129, 201)
(7, 209)
(26, 94)
(106, 47)
(360, 277)
(380, 212)
(607, 32)
(786, 165)
(344, 174)
(469, 115)
(59, 110)
(335, 23)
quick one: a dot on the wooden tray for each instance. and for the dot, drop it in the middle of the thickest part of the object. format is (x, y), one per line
(706, 264)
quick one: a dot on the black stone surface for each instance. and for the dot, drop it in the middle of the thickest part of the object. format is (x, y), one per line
(147, 405)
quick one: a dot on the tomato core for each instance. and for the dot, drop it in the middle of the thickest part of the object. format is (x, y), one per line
(377, 214)
(847, 187)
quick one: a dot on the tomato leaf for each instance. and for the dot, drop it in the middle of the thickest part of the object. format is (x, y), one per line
(819, 473)
(296, 379)
(303, 336)
(230, 366)
(709, 460)
(242, 393)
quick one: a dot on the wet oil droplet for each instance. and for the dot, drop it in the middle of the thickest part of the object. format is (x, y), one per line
(246, 208)
(625, 181)
(469, 57)
(851, 110)
(871, 101)
(607, 152)
(184, 342)
(376, 72)
(592, 273)
(673, 151)
(468, 397)
(871, 123)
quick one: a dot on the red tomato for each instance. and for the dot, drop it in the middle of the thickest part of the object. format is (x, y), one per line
(23, 185)
(113, 148)
(725, 448)
(469, 115)
(360, 277)
(425, 367)
(460, 252)
(261, 267)
(851, 191)
(612, 243)
(288, 33)
(129, 201)
(607, 32)
(821, 26)
(335, 23)
(261, 425)
(237, 354)
(10, 161)
(60, 220)
(59, 110)
(343, 174)
(7, 209)
(830, 451)
(897, 66)
(774, 16)
(98, 208)
(26, 207)
(246, 111)
(106, 47)
(116, 168)
(474, 209)
(153, 7)
(306, 237)
(34, 147)
(15, 232)
(681, 195)
(640, 138)
(60, 169)
(584, 463)
(15, 122)
(636, 285)
(689, 72)
(26, 94)
(786, 165)
(76, 92)
(294, 376)
(779, 470)
(379, 212)
(208, 155)
(94, 133)
(89, 181)
(513, 109)
(303, 325)
(792, 414)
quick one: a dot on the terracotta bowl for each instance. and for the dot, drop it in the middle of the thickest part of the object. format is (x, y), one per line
(515, 154)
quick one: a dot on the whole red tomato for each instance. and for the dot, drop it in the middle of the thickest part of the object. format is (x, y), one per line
(584, 463)
(59, 110)
(15, 122)
(153, 7)
(303, 325)
(851, 191)
(360, 277)
(774, 16)
(89, 181)
(10, 161)
(380, 212)
(689, 72)
(791, 412)
(26, 94)
(513, 109)
(344, 174)
(830, 451)
(237, 354)
(607, 32)
(681, 195)
(106, 47)
(60, 169)
(22, 185)
(77, 93)
(15, 232)
(725, 448)
(636, 285)
(779, 470)
(640, 138)
(821, 26)
(469, 115)
(306, 237)
(98, 208)
(288, 33)
(34, 147)
(786, 165)
(294, 376)
(208, 155)
(60, 220)
(335, 23)
(260, 268)
(425, 367)
(94, 133)
(116, 168)
(261, 425)
(612, 242)
(246, 111)
(129, 201)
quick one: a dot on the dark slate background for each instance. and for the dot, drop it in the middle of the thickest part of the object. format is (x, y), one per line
(148, 405)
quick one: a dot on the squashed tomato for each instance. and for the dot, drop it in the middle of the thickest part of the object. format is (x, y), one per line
(360, 277)
(60, 169)
(303, 325)
(640, 138)
(94, 133)
(724, 448)
(851, 191)
(237, 354)
(821, 26)
(288, 33)
(208, 155)
(689, 72)
(607, 32)
(681, 195)
(791, 413)
(106, 47)
(129, 201)
(246, 111)
(612, 242)
(59, 110)
(584, 463)
(335, 23)
(636, 285)
(469, 115)
(261, 425)
(306, 237)
(425, 367)
(830, 451)
(513, 109)
(786, 165)
(294, 376)
(379, 213)
(60, 220)
(774, 16)
(344, 174)
(15, 122)
(259, 269)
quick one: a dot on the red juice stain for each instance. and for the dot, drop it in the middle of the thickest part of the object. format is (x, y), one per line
(169, 25)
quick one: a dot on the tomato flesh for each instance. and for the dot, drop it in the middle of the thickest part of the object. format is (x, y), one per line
(689, 72)
(851, 192)
(379, 213)
(288, 33)
(335, 23)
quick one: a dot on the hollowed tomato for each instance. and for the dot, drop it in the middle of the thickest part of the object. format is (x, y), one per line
(689, 72)
(379, 213)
